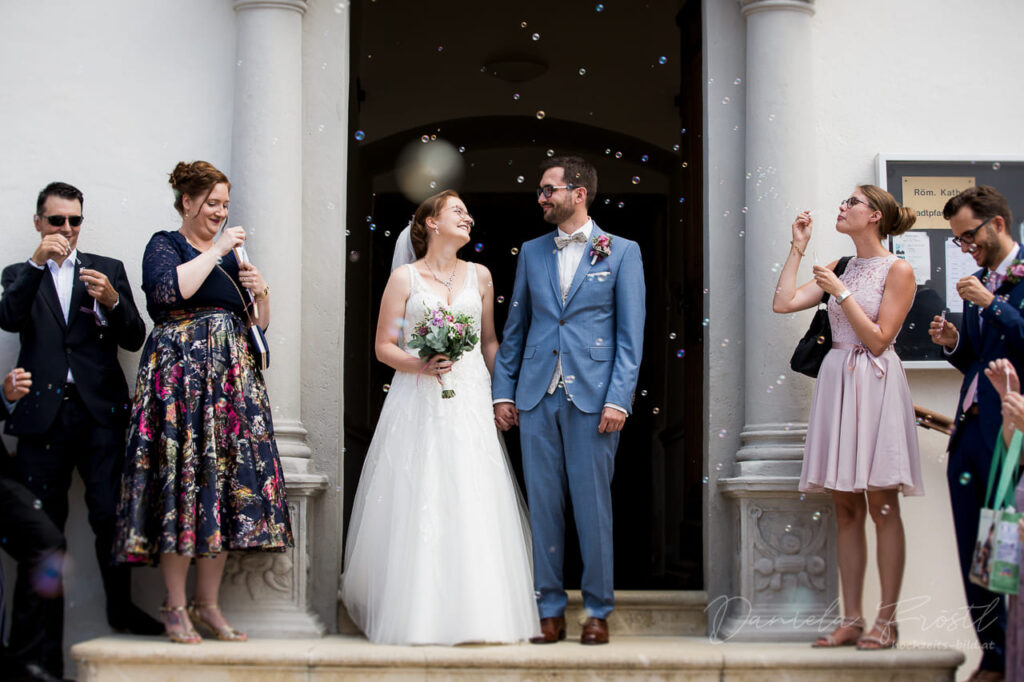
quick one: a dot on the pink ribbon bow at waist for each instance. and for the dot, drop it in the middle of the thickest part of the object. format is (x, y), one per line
(860, 349)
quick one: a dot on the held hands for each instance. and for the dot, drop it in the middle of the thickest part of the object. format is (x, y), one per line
(1003, 377)
(506, 415)
(54, 246)
(99, 287)
(251, 278)
(16, 384)
(229, 239)
(827, 280)
(971, 289)
(802, 227)
(943, 332)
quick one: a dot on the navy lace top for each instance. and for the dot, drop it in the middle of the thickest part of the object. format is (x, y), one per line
(164, 253)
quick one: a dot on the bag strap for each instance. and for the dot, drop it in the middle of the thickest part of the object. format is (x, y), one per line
(839, 270)
(1004, 465)
(245, 306)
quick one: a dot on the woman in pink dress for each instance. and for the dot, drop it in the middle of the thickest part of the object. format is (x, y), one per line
(1001, 373)
(861, 446)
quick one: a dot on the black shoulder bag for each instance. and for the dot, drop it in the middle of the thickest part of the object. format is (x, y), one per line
(816, 343)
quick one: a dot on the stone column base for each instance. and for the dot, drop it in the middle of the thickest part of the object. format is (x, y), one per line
(785, 568)
(268, 595)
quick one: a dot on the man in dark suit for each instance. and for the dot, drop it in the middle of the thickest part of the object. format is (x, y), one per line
(993, 327)
(31, 539)
(72, 310)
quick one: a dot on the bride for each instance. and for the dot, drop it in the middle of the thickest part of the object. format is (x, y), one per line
(438, 544)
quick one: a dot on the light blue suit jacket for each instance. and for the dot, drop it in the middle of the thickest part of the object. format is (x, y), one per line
(599, 331)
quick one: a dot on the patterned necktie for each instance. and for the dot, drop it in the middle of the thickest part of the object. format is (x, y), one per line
(578, 237)
(994, 281)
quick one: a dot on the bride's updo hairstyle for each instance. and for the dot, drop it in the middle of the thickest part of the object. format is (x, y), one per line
(431, 207)
(196, 179)
(896, 219)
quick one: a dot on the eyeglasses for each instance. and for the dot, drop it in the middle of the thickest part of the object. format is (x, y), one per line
(548, 190)
(463, 214)
(968, 236)
(58, 220)
(853, 201)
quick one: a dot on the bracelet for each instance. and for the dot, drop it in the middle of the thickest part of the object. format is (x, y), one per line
(843, 295)
(263, 294)
(796, 248)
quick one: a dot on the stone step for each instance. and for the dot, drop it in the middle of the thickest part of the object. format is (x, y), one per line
(336, 657)
(637, 612)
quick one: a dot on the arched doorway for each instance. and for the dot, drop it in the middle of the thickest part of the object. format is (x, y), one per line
(648, 191)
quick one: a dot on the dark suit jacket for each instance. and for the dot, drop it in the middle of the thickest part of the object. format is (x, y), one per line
(999, 335)
(49, 346)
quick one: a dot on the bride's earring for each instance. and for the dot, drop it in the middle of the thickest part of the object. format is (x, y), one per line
(437, 231)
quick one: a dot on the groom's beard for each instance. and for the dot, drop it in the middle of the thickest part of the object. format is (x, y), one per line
(558, 213)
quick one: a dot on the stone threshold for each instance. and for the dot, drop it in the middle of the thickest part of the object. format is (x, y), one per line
(339, 657)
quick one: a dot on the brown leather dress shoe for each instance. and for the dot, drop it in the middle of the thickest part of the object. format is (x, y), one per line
(595, 631)
(551, 630)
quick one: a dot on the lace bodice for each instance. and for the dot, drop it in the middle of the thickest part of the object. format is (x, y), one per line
(422, 297)
(865, 278)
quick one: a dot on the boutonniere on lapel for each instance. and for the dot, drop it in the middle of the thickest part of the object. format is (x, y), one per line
(1015, 272)
(601, 248)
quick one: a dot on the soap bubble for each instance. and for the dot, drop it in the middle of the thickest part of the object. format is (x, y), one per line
(725, 100)
(655, 410)
(599, 7)
(360, 135)
(995, 166)
(788, 528)
(782, 378)
(536, 36)
(520, 179)
(718, 467)
(425, 139)
(965, 478)
(886, 509)
(420, 169)
(522, 25)
(515, 96)
(353, 256)
(737, 81)
(816, 516)
(675, 147)
(672, 335)
(622, 204)
(725, 343)
(705, 322)
(501, 299)
(636, 179)
(704, 480)
(643, 393)
(582, 71)
(514, 251)
(723, 433)
(820, 340)
(644, 158)
(541, 114)
(387, 387)
(618, 155)
(479, 247)
(37, 504)
(803, 497)
(681, 353)
(662, 60)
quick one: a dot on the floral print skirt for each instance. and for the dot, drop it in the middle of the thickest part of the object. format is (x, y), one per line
(202, 473)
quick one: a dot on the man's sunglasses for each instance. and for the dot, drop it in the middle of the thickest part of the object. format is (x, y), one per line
(58, 220)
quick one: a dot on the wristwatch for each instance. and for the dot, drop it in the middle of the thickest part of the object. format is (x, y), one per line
(845, 294)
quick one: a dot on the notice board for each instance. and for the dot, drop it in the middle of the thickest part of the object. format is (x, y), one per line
(926, 184)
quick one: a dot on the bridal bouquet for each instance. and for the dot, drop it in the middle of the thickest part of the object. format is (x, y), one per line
(442, 332)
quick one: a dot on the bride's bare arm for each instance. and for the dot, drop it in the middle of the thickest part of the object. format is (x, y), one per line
(488, 338)
(389, 325)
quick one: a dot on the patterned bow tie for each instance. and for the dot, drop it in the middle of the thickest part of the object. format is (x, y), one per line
(578, 237)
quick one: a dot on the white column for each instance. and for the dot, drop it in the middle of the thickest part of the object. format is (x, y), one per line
(266, 180)
(784, 567)
(268, 594)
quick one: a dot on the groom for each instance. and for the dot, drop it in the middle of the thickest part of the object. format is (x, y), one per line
(565, 373)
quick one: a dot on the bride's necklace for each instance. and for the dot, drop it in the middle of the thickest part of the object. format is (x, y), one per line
(446, 283)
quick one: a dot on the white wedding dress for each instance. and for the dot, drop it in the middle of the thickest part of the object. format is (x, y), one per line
(438, 547)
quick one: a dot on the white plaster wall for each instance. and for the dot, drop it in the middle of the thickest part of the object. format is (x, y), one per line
(936, 77)
(107, 95)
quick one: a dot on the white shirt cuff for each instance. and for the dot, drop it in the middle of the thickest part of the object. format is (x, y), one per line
(502, 400)
(950, 352)
(37, 267)
(623, 410)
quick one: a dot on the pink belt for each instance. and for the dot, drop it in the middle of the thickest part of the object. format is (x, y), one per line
(860, 349)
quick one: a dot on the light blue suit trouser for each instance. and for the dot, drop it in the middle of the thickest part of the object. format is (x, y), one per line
(564, 453)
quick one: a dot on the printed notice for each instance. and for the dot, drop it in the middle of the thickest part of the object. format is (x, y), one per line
(915, 248)
(928, 196)
(958, 266)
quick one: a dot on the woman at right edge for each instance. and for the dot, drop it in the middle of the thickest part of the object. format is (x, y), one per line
(861, 445)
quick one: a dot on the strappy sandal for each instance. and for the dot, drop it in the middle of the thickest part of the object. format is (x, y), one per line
(176, 615)
(888, 635)
(831, 640)
(224, 633)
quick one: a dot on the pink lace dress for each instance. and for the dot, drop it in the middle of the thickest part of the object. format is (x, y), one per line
(860, 433)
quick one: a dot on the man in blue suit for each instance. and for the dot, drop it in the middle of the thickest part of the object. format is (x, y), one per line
(566, 373)
(993, 327)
